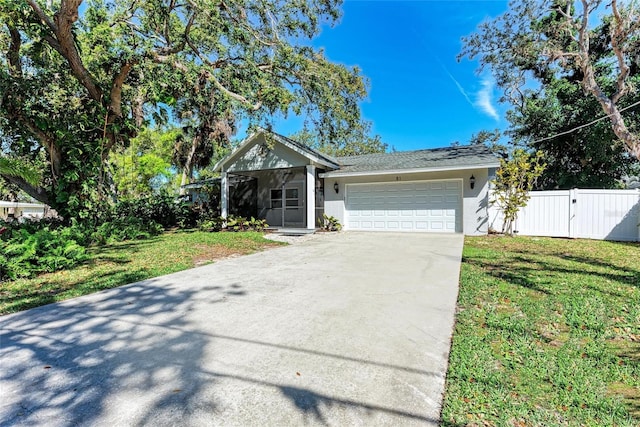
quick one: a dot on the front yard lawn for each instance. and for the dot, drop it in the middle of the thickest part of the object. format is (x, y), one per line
(121, 263)
(547, 334)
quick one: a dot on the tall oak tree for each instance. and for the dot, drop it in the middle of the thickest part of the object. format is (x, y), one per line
(78, 79)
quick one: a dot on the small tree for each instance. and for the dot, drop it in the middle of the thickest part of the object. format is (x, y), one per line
(514, 180)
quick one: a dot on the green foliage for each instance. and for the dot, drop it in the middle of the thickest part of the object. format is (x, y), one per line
(232, 223)
(590, 157)
(72, 92)
(212, 224)
(356, 141)
(129, 228)
(533, 54)
(514, 180)
(16, 168)
(24, 253)
(488, 138)
(162, 209)
(329, 223)
(32, 247)
(239, 223)
(145, 166)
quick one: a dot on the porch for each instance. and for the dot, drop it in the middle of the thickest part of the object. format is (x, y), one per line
(288, 198)
(274, 178)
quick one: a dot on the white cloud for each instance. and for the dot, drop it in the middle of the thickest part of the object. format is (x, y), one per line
(484, 98)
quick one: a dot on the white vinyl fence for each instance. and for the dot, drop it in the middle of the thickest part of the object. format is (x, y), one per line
(589, 214)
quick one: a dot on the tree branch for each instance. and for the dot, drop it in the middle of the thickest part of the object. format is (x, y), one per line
(15, 66)
(64, 20)
(233, 95)
(36, 192)
(177, 65)
(618, 35)
(116, 89)
(42, 16)
(243, 23)
(54, 44)
(55, 156)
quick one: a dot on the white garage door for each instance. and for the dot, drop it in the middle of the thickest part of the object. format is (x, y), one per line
(434, 206)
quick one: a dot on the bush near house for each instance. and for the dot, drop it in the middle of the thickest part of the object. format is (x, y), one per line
(161, 208)
(232, 223)
(329, 223)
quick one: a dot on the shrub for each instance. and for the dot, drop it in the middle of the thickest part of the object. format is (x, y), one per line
(239, 223)
(211, 224)
(121, 229)
(32, 247)
(30, 225)
(329, 223)
(232, 223)
(163, 209)
(27, 253)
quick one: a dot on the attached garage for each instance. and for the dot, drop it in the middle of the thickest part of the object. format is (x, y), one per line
(430, 206)
(437, 190)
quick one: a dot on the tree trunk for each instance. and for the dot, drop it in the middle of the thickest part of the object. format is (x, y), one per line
(630, 140)
(187, 169)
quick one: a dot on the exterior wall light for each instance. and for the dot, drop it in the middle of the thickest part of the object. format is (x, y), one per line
(472, 181)
(336, 187)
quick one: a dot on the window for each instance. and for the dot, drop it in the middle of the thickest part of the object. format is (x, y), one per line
(292, 197)
(276, 199)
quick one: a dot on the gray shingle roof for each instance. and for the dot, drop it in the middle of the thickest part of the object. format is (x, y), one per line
(460, 156)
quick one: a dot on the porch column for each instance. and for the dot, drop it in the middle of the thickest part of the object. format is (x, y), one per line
(224, 197)
(311, 197)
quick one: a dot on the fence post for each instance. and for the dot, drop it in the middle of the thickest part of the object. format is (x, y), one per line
(638, 215)
(573, 222)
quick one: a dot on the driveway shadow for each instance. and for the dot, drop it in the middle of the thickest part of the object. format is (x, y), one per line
(222, 344)
(72, 358)
(133, 347)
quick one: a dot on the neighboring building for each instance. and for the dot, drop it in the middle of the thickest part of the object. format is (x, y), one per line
(292, 185)
(20, 210)
(200, 192)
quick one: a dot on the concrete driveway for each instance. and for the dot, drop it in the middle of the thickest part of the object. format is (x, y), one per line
(343, 329)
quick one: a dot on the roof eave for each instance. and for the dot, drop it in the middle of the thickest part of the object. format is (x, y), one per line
(309, 155)
(339, 174)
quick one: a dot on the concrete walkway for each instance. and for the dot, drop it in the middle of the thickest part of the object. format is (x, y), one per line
(343, 329)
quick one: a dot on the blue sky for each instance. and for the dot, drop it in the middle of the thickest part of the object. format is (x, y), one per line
(420, 95)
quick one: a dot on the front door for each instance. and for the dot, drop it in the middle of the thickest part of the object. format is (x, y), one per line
(293, 214)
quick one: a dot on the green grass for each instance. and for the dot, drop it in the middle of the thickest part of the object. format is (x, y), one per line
(118, 264)
(547, 334)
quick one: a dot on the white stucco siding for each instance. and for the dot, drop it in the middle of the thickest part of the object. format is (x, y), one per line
(262, 156)
(474, 201)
